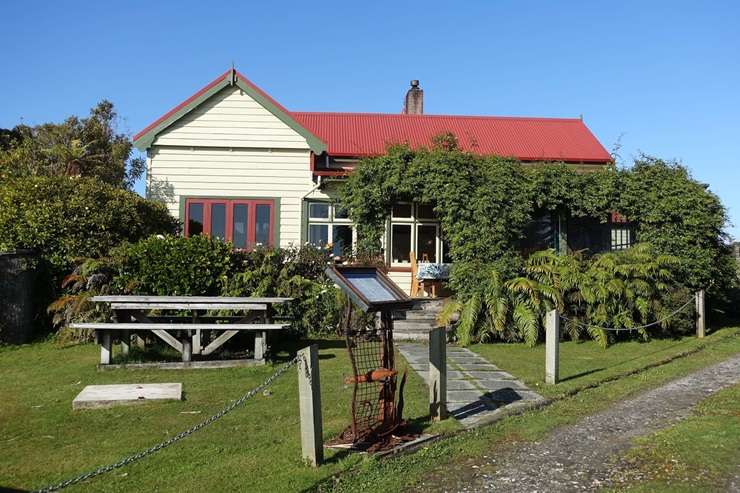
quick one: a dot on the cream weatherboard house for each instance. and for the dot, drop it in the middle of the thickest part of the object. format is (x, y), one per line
(232, 162)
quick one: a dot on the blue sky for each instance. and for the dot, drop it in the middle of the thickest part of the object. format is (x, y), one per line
(662, 75)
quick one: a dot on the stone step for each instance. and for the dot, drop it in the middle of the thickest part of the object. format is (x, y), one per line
(434, 304)
(414, 324)
(412, 334)
(415, 315)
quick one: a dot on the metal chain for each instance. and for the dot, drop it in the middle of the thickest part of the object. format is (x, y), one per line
(133, 458)
(639, 327)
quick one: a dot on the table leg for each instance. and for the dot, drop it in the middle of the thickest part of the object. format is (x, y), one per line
(197, 344)
(187, 349)
(125, 342)
(259, 346)
(105, 347)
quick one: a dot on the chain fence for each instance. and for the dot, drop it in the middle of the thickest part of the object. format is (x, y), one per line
(151, 450)
(637, 327)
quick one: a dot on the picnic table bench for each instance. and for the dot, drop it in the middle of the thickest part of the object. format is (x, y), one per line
(196, 333)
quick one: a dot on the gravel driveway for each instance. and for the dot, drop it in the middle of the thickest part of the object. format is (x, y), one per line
(580, 457)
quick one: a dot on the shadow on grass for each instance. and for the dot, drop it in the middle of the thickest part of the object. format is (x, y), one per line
(582, 374)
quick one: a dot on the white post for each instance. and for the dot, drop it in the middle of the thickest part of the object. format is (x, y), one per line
(187, 350)
(438, 373)
(309, 400)
(105, 347)
(701, 314)
(552, 347)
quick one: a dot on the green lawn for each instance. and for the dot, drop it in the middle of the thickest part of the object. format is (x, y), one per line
(698, 454)
(438, 463)
(584, 363)
(256, 447)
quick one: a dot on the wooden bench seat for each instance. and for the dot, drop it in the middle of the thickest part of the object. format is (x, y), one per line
(175, 326)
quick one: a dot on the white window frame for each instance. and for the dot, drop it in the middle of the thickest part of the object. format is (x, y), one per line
(330, 221)
(414, 222)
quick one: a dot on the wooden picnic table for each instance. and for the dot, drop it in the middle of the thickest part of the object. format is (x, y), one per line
(196, 333)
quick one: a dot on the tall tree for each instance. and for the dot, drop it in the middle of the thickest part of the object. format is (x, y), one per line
(89, 147)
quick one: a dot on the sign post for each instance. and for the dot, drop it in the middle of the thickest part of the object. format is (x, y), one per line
(552, 347)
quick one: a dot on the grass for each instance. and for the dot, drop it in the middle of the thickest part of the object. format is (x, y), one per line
(257, 447)
(583, 363)
(699, 454)
(444, 462)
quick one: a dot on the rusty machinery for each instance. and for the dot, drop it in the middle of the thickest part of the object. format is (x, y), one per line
(376, 411)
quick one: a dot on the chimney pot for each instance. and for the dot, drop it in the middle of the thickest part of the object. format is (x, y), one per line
(413, 104)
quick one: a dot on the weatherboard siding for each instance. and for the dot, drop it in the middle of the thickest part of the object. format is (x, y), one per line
(231, 118)
(283, 174)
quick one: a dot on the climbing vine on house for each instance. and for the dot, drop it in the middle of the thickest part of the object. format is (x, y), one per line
(485, 203)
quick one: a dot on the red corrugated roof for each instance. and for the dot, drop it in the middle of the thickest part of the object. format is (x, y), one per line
(528, 139)
(365, 134)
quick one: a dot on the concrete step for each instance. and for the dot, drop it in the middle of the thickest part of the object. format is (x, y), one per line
(434, 304)
(416, 315)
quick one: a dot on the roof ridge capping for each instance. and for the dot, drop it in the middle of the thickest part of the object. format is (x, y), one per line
(143, 139)
(439, 115)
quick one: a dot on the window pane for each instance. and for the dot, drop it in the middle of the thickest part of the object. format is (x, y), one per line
(425, 211)
(446, 258)
(342, 238)
(426, 243)
(218, 221)
(240, 226)
(400, 243)
(262, 224)
(340, 212)
(402, 210)
(318, 210)
(195, 219)
(318, 234)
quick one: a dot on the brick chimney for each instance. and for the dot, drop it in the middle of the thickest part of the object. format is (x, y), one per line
(414, 102)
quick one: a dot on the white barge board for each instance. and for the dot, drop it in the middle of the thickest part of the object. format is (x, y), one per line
(100, 396)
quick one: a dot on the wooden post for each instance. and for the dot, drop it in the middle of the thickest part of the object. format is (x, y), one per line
(552, 347)
(105, 347)
(125, 342)
(309, 399)
(438, 373)
(701, 314)
(260, 338)
(187, 349)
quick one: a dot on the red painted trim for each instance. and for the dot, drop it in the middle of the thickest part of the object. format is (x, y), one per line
(182, 105)
(332, 173)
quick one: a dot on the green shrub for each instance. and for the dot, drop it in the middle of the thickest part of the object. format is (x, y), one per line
(202, 266)
(620, 290)
(64, 218)
(174, 266)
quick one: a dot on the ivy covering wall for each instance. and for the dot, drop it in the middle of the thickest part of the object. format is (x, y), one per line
(484, 204)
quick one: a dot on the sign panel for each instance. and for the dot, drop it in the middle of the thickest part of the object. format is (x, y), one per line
(368, 287)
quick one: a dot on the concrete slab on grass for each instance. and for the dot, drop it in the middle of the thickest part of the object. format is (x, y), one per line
(102, 396)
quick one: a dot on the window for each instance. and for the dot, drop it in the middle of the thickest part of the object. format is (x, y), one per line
(414, 227)
(328, 224)
(400, 243)
(244, 222)
(622, 236)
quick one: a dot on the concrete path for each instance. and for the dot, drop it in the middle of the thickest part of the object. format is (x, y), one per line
(478, 392)
(584, 456)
